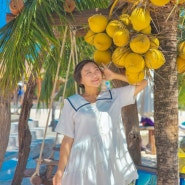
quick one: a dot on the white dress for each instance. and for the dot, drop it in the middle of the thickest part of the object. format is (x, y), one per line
(99, 154)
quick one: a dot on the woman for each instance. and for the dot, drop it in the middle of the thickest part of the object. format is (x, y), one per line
(94, 149)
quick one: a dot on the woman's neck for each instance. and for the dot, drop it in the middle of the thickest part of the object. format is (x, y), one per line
(90, 95)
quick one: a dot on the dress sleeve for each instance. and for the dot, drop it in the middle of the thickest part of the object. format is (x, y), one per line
(124, 95)
(65, 124)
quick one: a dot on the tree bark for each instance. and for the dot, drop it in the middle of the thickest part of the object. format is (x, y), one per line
(166, 99)
(5, 123)
(131, 125)
(24, 132)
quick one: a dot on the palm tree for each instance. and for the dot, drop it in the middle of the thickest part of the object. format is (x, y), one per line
(166, 98)
(21, 42)
(5, 118)
(26, 41)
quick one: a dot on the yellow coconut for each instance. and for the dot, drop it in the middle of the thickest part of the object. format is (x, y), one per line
(147, 30)
(180, 64)
(134, 78)
(112, 26)
(140, 18)
(119, 55)
(132, 1)
(154, 42)
(140, 43)
(89, 37)
(181, 156)
(125, 18)
(121, 37)
(97, 23)
(154, 59)
(159, 2)
(135, 2)
(178, 1)
(181, 49)
(134, 63)
(102, 41)
(181, 167)
(102, 57)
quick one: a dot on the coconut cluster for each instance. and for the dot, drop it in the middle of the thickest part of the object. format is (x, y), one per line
(181, 57)
(164, 2)
(127, 42)
(158, 3)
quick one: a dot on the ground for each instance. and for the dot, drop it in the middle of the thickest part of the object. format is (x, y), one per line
(37, 125)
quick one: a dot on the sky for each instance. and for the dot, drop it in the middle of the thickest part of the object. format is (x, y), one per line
(4, 8)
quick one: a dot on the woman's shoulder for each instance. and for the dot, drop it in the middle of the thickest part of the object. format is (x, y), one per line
(76, 101)
(123, 88)
(73, 97)
(120, 91)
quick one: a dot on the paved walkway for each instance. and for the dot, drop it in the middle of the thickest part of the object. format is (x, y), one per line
(37, 124)
(42, 116)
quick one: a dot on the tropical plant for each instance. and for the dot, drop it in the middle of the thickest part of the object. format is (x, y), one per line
(166, 98)
(28, 44)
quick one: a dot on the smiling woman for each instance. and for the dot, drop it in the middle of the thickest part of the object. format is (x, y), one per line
(94, 149)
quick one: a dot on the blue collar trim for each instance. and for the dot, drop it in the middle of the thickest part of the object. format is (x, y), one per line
(77, 101)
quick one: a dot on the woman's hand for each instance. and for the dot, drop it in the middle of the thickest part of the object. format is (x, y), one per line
(140, 86)
(108, 74)
(65, 150)
(57, 179)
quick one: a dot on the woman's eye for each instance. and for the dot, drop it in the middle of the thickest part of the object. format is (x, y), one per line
(88, 73)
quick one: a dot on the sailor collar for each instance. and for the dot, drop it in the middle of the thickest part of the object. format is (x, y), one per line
(77, 101)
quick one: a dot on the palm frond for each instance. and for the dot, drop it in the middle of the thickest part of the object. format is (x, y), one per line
(20, 39)
(83, 5)
(28, 39)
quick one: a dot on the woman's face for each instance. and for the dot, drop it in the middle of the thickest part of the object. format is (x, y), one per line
(91, 76)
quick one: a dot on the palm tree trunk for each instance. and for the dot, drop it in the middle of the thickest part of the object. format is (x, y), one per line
(24, 132)
(131, 125)
(5, 123)
(166, 99)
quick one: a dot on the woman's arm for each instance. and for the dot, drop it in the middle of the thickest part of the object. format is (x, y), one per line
(65, 150)
(140, 86)
(110, 75)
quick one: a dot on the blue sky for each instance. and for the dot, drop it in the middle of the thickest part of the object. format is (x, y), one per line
(4, 8)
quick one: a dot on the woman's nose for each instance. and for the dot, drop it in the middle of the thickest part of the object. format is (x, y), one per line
(95, 74)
